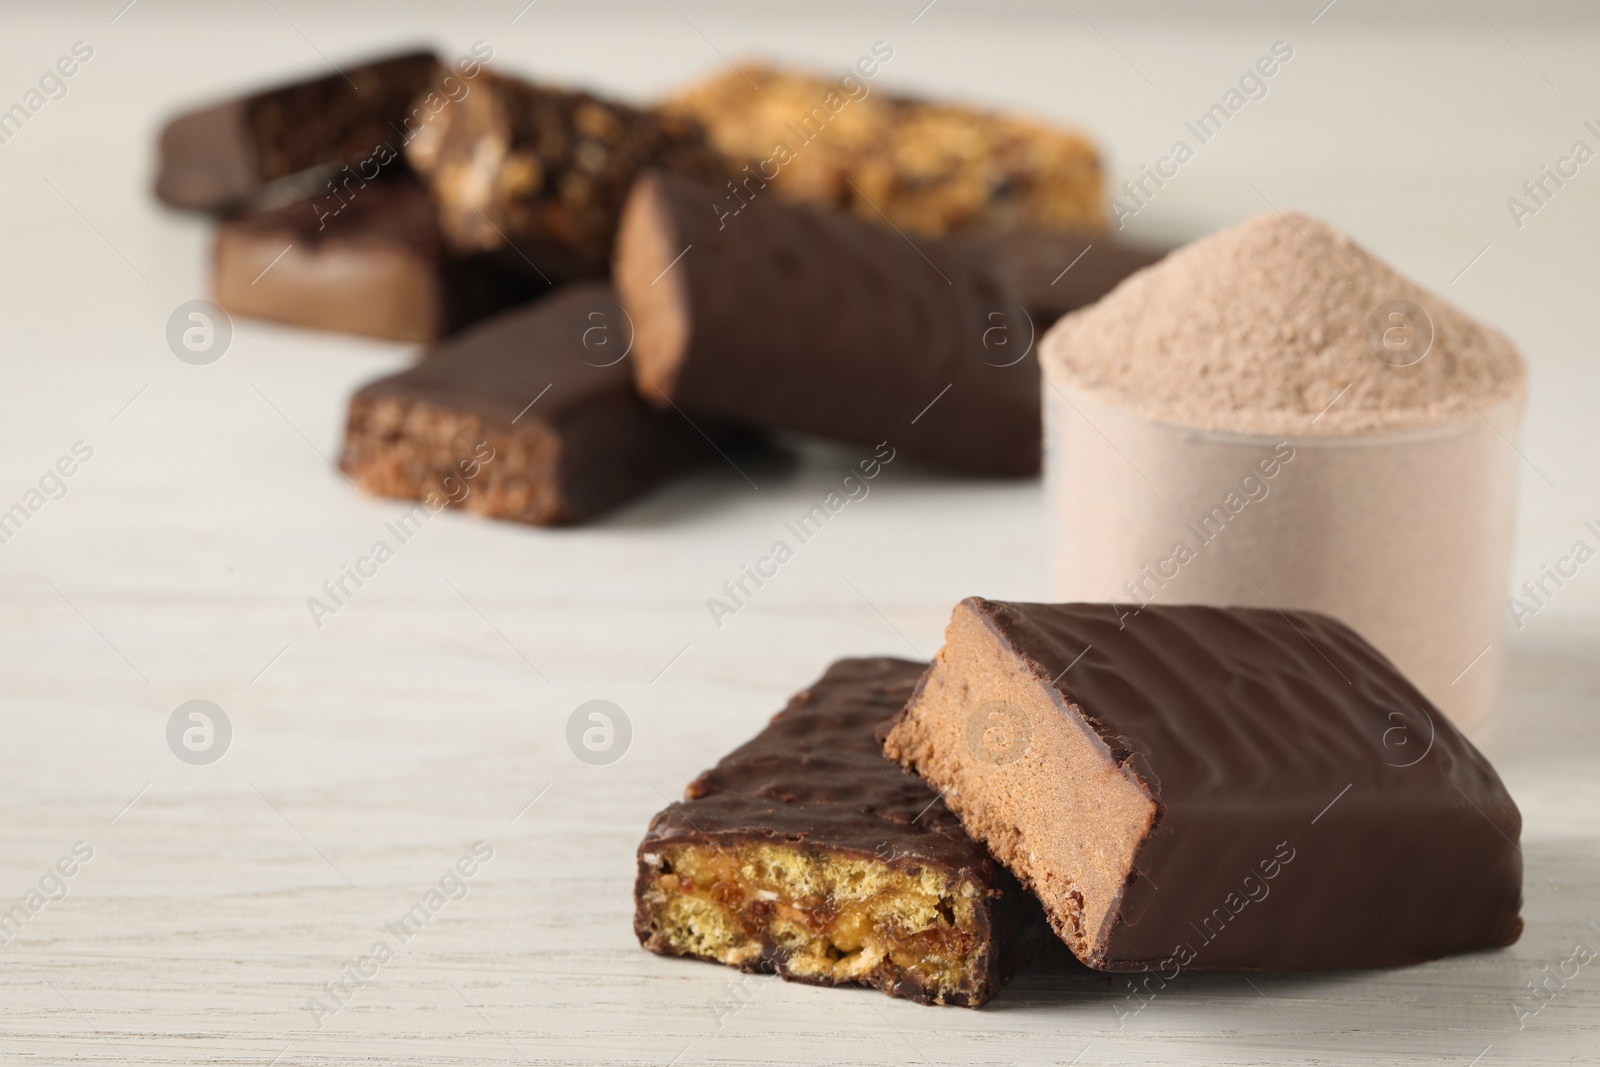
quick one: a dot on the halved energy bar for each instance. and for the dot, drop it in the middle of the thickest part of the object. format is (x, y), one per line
(1197, 787)
(791, 316)
(530, 416)
(369, 262)
(216, 157)
(806, 852)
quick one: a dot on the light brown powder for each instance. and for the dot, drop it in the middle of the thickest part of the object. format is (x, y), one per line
(1258, 328)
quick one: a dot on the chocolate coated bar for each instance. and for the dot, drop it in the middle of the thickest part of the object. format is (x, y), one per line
(806, 852)
(546, 391)
(216, 157)
(789, 316)
(373, 264)
(1197, 787)
(542, 173)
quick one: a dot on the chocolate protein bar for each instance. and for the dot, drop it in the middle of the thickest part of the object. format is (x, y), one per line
(790, 316)
(375, 264)
(547, 392)
(807, 853)
(216, 157)
(927, 168)
(1189, 787)
(541, 173)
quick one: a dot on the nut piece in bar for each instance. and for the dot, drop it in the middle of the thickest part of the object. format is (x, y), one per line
(543, 172)
(216, 157)
(806, 852)
(1194, 787)
(374, 264)
(928, 168)
(796, 317)
(529, 416)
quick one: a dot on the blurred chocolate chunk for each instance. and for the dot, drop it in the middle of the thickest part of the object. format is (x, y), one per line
(215, 158)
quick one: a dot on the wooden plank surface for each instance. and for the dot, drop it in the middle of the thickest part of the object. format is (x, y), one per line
(371, 754)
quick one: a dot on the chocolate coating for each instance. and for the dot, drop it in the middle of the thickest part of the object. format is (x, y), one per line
(213, 158)
(816, 773)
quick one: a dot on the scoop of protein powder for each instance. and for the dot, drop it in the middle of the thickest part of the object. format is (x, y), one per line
(1273, 416)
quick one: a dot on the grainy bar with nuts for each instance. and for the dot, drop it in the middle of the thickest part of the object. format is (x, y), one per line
(806, 852)
(927, 167)
(545, 171)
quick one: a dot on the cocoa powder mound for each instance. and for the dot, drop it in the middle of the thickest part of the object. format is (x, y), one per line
(1263, 328)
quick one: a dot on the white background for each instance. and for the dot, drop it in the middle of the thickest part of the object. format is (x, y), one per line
(369, 754)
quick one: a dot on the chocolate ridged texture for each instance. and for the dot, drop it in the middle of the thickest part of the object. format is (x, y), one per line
(370, 261)
(548, 388)
(815, 780)
(1261, 735)
(817, 771)
(216, 157)
(817, 321)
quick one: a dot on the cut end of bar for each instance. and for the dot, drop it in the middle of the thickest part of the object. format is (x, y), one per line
(408, 449)
(828, 918)
(648, 276)
(1028, 777)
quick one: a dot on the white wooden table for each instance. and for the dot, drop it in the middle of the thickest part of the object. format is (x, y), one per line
(430, 713)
